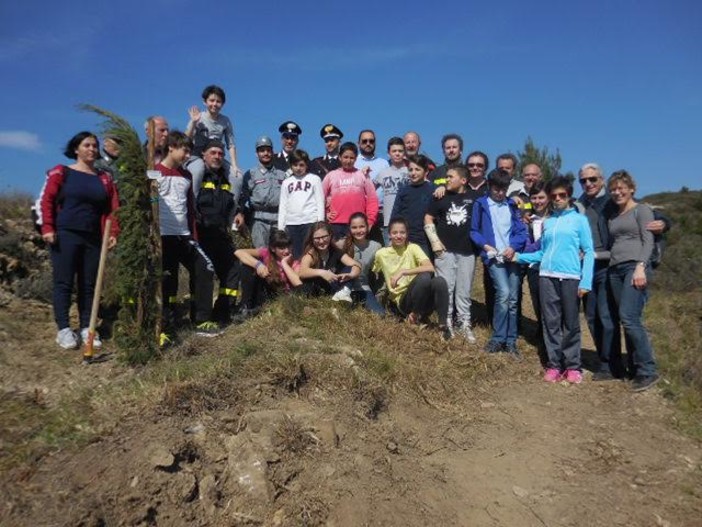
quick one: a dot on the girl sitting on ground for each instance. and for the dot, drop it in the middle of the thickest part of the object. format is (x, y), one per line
(408, 276)
(362, 250)
(324, 268)
(267, 272)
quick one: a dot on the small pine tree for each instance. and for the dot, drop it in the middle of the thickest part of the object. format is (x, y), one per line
(550, 163)
(137, 275)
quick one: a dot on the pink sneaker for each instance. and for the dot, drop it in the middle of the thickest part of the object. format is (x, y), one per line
(573, 376)
(552, 375)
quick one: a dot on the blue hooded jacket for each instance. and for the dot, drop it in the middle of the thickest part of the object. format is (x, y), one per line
(482, 233)
(566, 236)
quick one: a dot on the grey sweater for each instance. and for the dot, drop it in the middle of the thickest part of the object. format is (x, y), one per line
(630, 239)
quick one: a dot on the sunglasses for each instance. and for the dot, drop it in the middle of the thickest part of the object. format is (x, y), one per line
(476, 165)
(367, 141)
(559, 195)
(592, 179)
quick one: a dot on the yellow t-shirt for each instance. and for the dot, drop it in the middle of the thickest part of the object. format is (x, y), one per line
(390, 260)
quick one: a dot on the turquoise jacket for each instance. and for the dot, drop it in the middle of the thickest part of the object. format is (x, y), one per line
(566, 237)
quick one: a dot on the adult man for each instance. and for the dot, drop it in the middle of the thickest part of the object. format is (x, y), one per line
(600, 309)
(452, 145)
(260, 194)
(322, 165)
(373, 166)
(367, 157)
(161, 130)
(412, 145)
(531, 173)
(508, 162)
(216, 205)
(290, 136)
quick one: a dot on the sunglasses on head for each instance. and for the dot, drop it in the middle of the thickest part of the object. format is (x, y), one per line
(591, 179)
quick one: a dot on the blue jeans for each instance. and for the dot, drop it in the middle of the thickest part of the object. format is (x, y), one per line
(600, 311)
(506, 278)
(630, 303)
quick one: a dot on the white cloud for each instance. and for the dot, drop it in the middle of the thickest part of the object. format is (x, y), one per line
(20, 140)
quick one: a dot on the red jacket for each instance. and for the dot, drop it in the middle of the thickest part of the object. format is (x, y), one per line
(49, 206)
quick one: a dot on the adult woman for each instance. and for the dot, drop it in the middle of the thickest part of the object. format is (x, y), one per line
(361, 249)
(324, 268)
(564, 278)
(268, 272)
(632, 245)
(408, 276)
(75, 202)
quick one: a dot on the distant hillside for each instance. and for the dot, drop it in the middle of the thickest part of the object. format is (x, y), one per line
(681, 269)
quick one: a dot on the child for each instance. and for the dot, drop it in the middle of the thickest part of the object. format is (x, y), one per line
(391, 179)
(567, 260)
(362, 250)
(268, 272)
(301, 201)
(347, 190)
(206, 126)
(324, 268)
(178, 236)
(407, 272)
(497, 229)
(447, 225)
(413, 199)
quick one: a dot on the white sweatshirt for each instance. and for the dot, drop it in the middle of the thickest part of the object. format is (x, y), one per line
(301, 201)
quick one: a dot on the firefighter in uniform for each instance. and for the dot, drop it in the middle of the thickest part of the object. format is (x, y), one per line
(216, 206)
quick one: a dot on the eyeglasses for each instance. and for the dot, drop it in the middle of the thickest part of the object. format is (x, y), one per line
(367, 141)
(559, 195)
(321, 238)
(591, 179)
(476, 165)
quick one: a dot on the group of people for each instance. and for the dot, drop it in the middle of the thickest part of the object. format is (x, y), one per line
(399, 236)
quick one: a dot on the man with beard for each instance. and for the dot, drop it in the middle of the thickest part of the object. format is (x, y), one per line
(412, 145)
(452, 145)
(372, 166)
(216, 206)
(322, 165)
(290, 136)
(260, 194)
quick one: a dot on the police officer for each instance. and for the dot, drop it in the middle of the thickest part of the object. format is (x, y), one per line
(260, 194)
(322, 165)
(290, 137)
(216, 206)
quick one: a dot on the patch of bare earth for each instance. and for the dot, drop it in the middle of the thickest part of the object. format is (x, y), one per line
(313, 438)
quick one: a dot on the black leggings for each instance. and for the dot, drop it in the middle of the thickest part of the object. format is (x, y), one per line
(425, 294)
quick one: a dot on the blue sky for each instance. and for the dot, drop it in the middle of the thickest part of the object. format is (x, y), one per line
(617, 82)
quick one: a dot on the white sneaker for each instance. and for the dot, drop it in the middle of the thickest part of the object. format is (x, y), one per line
(343, 294)
(467, 333)
(97, 343)
(67, 339)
